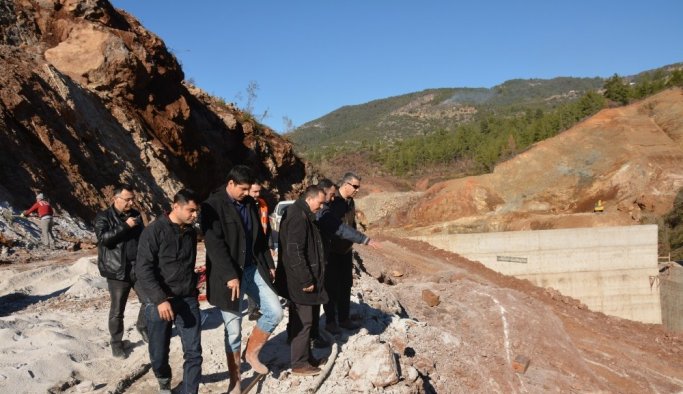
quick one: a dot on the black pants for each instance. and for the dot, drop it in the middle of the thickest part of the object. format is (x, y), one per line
(338, 282)
(315, 324)
(118, 293)
(299, 327)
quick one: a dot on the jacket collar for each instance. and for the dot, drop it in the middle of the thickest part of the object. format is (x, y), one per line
(301, 203)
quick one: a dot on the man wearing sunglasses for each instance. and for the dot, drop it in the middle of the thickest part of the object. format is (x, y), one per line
(340, 258)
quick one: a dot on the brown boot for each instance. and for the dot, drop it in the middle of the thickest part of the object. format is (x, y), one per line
(234, 371)
(256, 341)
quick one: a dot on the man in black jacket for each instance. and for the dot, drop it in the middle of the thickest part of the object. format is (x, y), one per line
(331, 228)
(168, 284)
(117, 229)
(340, 257)
(300, 274)
(238, 261)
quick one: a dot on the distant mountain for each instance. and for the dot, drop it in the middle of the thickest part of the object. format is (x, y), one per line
(419, 113)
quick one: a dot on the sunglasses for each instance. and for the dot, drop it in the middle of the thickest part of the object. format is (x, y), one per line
(353, 186)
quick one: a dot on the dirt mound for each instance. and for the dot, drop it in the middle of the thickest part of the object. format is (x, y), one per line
(89, 98)
(627, 157)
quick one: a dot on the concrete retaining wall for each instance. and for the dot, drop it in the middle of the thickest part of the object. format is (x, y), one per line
(672, 297)
(607, 268)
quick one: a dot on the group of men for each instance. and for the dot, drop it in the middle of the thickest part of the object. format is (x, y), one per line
(315, 242)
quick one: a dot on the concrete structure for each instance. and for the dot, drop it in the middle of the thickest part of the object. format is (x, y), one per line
(608, 268)
(671, 280)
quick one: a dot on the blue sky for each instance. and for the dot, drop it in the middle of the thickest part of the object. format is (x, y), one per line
(312, 57)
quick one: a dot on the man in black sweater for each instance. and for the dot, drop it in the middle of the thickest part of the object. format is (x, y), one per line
(300, 275)
(168, 283)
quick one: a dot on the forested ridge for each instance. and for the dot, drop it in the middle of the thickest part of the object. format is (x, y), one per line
(471, 129)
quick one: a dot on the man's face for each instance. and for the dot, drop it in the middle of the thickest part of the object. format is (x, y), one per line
(255, 190)
(329, 193)
(350, 188)
(123, 201)
(238, 191)
(185, 213)
(316, 202)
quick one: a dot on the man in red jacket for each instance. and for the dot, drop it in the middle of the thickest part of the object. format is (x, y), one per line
(44, 209)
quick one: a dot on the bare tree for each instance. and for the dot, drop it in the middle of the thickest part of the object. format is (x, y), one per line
(288, 124)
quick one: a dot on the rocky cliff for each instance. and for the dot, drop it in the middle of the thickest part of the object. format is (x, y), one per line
(89, 98)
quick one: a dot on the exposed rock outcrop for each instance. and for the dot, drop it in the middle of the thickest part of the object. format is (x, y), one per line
(89, 98)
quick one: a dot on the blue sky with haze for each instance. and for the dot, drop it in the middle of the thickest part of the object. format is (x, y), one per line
(312, 57)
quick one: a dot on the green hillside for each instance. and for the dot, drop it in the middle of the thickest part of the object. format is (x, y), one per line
(467, 130)
(420, 113)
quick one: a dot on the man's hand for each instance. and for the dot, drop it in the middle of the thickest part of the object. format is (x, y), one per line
(131, 222)
(272, 275)
(375, 244)
(309, 289)
(165, 311)
(234, 285)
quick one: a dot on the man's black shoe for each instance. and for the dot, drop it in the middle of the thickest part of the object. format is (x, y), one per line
(317, 362)
(255, 315)
(349, 325)
(117, 350)
(143, 334)
(319, 343)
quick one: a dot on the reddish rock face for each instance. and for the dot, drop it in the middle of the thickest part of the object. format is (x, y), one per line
(628, 157)
(89, 98)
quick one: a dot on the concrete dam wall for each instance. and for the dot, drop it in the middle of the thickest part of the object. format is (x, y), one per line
(608, 268)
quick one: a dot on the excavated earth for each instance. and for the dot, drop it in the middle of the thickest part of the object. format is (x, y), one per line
(629, 157)
(432, 322)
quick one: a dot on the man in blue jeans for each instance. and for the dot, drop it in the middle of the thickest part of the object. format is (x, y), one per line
(167, 251)
(238, 261)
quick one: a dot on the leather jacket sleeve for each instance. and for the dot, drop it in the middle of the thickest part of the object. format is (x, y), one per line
(108, 233)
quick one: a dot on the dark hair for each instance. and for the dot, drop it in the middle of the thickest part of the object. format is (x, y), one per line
(242, 175)
(348, 177)
(312, 192)
(123, 186)
(184, 196)
(326, 184)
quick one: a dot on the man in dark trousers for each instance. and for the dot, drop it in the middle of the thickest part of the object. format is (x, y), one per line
(331, 227)
(117, 229)
(238, 261)
(168, 284)
(340, 258)
(300, 275)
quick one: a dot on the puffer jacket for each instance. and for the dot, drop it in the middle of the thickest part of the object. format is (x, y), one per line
(113, 234)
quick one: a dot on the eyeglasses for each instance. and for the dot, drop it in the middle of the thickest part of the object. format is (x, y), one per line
(129, 199)
(353, 186)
